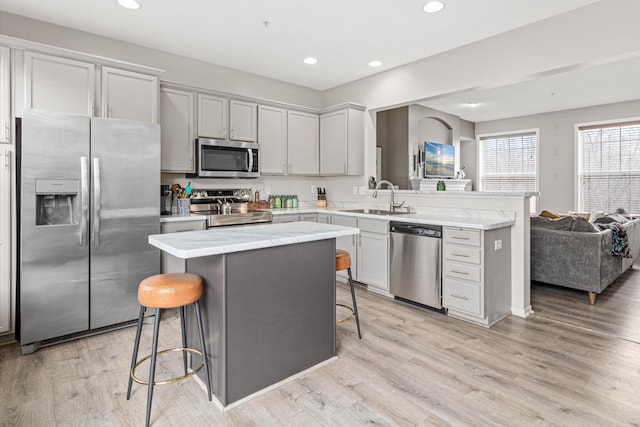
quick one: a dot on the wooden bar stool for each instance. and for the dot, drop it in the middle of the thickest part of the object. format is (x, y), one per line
(343, 262)
(169, 290)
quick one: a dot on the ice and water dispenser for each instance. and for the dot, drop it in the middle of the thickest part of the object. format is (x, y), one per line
(56, 201)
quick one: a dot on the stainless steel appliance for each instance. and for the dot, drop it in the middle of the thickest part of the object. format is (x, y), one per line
(226, 159)
(88, 202)
(227, 207)
(416, 267)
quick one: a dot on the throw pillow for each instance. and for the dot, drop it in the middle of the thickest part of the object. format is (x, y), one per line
(581, 224)
(562, 223)
(547, 214)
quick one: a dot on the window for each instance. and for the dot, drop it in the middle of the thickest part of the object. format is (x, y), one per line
(508, 162)
(609, 167)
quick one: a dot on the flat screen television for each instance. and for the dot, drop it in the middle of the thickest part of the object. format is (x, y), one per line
(438, 160)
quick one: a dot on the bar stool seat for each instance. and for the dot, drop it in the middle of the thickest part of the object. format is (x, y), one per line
(343, 262)
(162, 291)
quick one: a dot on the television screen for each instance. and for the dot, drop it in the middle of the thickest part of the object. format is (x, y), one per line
(439, 160)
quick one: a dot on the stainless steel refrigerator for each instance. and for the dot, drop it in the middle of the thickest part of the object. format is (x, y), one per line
(88, 201)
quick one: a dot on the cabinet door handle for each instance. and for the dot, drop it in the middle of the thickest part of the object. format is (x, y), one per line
(233, 133)
(462, 297)
(360, 240)
(460, 255)
(459, 238)
(6, 132)
(353, 240)
(464, 273)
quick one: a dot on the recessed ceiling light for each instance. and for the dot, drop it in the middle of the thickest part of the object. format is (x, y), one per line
(472, 104)
(129, 4)
(433, 6)
(310, 61)
(375, 63)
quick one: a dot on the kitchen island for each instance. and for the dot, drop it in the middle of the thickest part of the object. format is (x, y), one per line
(269, 300)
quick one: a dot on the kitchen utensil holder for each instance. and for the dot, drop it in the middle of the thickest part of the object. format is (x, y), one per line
(183, 206)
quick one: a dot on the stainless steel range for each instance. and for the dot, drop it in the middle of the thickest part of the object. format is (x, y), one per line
(227, 207)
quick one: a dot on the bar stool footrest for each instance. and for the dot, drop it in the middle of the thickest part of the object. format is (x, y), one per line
(172, 380)
(346, 319)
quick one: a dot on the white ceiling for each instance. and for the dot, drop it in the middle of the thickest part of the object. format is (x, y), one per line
(344, 35)
(583, 87)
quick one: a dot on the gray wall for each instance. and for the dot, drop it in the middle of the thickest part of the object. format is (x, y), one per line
(557, 173)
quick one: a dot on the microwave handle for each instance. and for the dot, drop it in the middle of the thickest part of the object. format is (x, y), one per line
(250, 160)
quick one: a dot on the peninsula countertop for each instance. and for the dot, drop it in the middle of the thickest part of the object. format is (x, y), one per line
(215, 241)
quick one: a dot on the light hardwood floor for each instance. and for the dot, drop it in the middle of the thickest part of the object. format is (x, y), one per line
(412, 367)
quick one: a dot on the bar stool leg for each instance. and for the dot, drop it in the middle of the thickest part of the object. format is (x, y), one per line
(136, 346)
(353, 299)
(183, 327)
(152, 369)
(205, 360)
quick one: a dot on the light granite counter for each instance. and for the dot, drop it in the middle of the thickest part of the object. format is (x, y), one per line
(180, 218)
(464, 218)
(193, 244)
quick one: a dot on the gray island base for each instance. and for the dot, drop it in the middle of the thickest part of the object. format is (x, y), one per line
(269, 312)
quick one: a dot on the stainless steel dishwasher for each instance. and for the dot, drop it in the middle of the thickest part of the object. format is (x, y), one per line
(416, 272)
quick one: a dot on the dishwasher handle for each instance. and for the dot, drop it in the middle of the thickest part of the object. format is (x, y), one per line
(422, 230)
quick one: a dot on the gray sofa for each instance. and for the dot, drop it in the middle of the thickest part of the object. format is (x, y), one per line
(578, 259)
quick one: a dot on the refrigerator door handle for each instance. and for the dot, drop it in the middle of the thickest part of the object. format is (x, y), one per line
(95, 233)
(84, 188)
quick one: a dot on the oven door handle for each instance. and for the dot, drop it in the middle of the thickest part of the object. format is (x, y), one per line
(250, 160)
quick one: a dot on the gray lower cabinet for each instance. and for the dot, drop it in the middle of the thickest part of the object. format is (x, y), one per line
(169, 263)
(476, 274)
(369, 250)
(277, 219)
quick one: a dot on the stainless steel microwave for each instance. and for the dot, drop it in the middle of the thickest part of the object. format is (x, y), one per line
(217, 158)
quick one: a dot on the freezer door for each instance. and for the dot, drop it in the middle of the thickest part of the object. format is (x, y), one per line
(54, 264)
(125, 178)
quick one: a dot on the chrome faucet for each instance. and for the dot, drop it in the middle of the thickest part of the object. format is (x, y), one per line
(392, 203)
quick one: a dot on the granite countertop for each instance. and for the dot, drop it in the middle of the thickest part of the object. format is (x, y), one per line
(446, 217)
(216, 241)
(177, 218)
(481, 220)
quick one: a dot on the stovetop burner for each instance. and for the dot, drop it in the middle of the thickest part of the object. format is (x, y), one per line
(226, 207)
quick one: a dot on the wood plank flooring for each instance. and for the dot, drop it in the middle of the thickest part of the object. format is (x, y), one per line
(616, 311)
(413, 367)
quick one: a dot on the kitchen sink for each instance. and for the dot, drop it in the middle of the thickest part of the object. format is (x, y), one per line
(373, 211)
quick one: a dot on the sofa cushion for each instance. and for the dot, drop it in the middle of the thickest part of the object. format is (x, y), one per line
(562, 223)
(581, 224)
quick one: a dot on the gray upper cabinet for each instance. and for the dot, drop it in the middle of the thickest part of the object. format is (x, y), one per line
(129, 95)
(243, 121)
(303, 143)
(342, 142)
(58, 84)
(64, 85)
(5, 96)
(177, 121)
(272, 137)
(212, 116)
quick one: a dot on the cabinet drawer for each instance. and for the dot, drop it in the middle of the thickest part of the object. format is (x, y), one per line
(373, 226)
(461, 296)
(461, 236)
(462, 271)
(178, 226)
(462, 254)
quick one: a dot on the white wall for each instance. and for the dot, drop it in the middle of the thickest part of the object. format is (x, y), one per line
(557, 175)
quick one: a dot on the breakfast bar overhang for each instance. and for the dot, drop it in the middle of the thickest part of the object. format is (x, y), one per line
(269, 301)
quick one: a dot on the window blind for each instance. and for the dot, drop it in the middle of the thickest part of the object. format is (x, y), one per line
(610, 167)
(508, 163)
